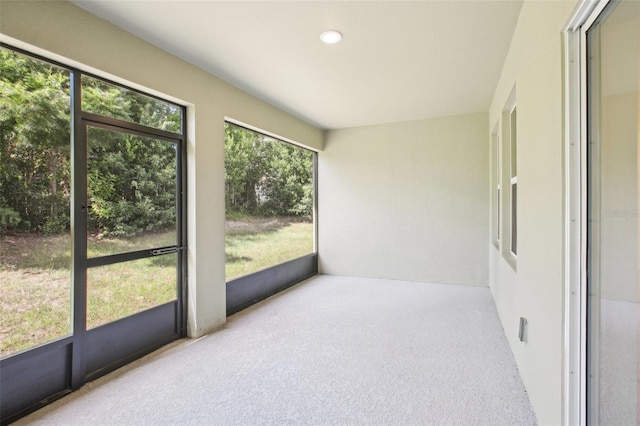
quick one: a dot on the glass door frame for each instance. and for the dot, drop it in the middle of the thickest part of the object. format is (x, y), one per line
(90, 364)
(576, 407)
(39, 375)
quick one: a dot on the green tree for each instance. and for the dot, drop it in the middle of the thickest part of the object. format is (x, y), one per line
(34, 142)
(288, 185)
(266, 177)
(245, 165)
(132, 183)
(131, 179)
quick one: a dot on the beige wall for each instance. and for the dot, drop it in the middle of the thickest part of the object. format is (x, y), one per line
(60, 30)
(407, 201)
(535, 291)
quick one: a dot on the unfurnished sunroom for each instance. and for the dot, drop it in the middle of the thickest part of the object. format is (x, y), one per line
(478, 145)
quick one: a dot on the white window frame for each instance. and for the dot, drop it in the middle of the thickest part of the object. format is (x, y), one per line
(513, 181)
(496, 186)
(509, 167)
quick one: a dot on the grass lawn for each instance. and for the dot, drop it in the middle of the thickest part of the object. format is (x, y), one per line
(35, 292)
(35, 296)
(254, 243)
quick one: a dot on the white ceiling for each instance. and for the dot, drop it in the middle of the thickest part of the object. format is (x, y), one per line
(398, 61)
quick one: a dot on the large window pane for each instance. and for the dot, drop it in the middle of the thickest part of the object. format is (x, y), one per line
(131, 192)
(35, 188)
(614, 219)
(514, 179)
(269, 201)
(496, 185)
(514, 217)
(100, 97)
(122, 289)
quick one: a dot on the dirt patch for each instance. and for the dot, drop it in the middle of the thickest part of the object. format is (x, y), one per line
(34, 250)
(254, 225)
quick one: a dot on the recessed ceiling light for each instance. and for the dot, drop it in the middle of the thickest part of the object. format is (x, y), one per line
(331, 37)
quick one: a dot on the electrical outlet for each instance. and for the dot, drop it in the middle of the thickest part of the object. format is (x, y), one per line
(522, 330)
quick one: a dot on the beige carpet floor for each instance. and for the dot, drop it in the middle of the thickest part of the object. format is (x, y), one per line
(331, 350)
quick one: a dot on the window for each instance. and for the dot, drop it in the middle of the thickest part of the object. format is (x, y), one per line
(35, 202)
(270, 205)
(508, 199)
(128, 184)
(109, 100)
(514, 180)
(496, 187)
(92, 228)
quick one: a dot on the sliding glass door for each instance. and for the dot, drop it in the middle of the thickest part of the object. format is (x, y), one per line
(613, 308)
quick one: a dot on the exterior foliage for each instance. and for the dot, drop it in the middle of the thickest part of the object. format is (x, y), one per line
(131, 180)
(34, 144)
(131, 183)
(266, 177)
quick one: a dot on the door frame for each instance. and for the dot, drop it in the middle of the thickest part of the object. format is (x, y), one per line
(116, 343)
(39, 375)
(576, 89)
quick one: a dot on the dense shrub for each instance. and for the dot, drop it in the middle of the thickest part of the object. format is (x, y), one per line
(9, 218)
(131, 181)
(266, 177)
